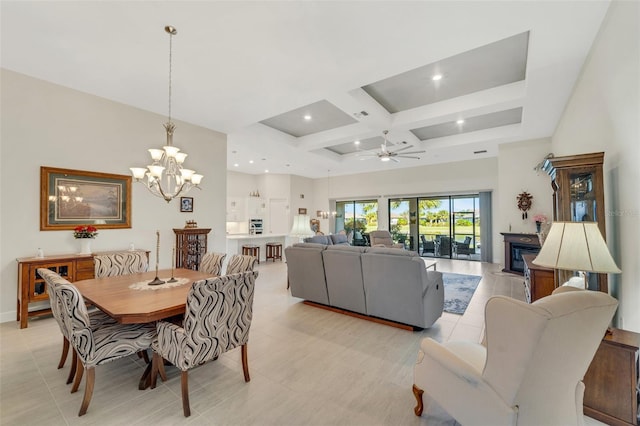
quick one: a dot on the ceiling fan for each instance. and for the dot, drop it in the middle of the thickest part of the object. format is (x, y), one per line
(386, 155)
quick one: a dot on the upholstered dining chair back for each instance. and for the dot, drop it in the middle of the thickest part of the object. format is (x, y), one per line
(217, 319)
(120, 263)
(530, 371)
(97, 345)
(239, 263)
(211, 263)
(97, 318)
(383, 238)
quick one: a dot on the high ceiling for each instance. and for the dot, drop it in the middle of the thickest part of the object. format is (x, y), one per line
(254, 69)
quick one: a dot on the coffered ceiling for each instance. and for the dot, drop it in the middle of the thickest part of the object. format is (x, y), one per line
(254, 70)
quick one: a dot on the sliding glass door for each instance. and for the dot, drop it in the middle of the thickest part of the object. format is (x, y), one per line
(446, 226)
(357, 219)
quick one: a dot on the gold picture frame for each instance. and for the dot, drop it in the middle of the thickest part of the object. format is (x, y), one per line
(69, 198)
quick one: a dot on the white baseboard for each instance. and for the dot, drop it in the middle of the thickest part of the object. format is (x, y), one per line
(7, 316)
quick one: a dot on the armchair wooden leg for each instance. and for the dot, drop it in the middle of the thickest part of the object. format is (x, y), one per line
(184, 381)
(417, 392)
(88, 390)
(79, 374)
(74, 365)
(245, 363)
(65, 352)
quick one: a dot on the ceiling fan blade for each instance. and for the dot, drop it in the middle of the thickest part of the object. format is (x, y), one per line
(408, 156)
(403, 148)
(393, 159)
(414, 152)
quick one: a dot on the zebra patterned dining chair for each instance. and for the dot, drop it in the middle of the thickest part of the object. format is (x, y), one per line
(211, 263)
(240, 263)
(97, 318)
(217, 319)
(100, 345)
(120, 263)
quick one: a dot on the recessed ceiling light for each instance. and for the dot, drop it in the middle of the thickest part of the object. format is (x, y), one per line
(236, 165)
(307, 117)
(266, 171)
(461, 121)
(356, 142)
(250, 161)
(436, 77)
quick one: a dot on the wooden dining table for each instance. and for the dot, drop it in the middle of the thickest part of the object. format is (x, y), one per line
(116, 297)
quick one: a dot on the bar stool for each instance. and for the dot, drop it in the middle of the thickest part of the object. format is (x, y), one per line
(274, 251)
(251, 250)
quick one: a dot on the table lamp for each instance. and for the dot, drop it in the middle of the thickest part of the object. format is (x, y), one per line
(576, 246)
(301, 226)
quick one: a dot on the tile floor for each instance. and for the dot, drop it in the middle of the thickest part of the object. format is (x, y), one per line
(308, 367)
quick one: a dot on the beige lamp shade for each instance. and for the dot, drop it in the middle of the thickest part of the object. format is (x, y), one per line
(301, 226)
(576, 246)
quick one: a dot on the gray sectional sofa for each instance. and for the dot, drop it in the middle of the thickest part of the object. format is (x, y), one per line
(386, 283)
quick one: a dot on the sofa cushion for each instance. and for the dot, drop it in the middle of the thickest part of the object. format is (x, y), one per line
(342, 247)
(310, 245)
(319, 239)
(392, 251)
(339, 239)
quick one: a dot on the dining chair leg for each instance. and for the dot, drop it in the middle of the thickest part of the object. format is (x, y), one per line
(74, 365)
(65, 352)
(79, 374)
(143, 354)
(88, 390)
(245, 363)
(184, 381)
(154, 370)
(161, 370)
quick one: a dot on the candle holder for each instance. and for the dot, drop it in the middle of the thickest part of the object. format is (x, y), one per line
(173, 266)
(156, 280)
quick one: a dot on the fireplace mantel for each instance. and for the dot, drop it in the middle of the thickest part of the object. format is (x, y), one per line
(515, 245)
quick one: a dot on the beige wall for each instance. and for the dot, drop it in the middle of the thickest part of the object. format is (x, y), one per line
(48, 125)
(603, 114)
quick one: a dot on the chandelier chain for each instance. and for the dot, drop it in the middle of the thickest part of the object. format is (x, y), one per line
(170, 63)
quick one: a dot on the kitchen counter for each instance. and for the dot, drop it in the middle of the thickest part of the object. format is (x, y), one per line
(236, 241)
(253, 236)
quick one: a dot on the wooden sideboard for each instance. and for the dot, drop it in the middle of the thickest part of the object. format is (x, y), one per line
(538, 280)
(32, 288)
(611, 382)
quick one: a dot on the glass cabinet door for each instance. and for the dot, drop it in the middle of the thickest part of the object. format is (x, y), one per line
(582, 199)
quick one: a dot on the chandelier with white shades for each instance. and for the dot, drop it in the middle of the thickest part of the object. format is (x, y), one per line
(165, 177)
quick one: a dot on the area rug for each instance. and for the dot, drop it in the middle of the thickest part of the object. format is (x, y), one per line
(458, 290)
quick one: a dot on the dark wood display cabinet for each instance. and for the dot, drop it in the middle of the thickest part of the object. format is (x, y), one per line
(191, 245)
(578, 196)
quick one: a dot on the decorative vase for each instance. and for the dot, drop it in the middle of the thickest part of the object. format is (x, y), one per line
(538, 227)
(85, 245)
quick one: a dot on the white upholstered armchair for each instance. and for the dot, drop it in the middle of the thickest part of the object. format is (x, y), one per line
(531, 370)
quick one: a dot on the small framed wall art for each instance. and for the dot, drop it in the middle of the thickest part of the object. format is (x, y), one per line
(302, 211)
(186, 204)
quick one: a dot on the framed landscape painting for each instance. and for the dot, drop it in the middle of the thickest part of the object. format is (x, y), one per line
(69, 198)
